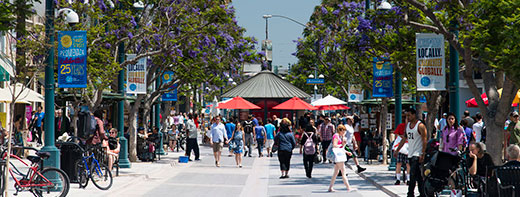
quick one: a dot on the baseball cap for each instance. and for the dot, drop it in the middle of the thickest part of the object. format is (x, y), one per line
(444, 114)
(514, 114)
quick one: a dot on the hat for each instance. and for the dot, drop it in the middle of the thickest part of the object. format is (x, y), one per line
(350, 117)
(444, 114)
(514, 114)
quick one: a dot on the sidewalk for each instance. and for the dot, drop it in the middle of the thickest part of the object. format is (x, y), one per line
(379, 175)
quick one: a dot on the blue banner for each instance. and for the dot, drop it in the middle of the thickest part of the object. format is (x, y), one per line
(172, 94)
(383, 77)
(72, 59)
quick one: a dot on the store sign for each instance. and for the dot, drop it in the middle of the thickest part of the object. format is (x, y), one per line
(431, 74)
(72, 59)
(383, 76)
(172, 94)
(355, 93)
(136, 76)
(315, 81)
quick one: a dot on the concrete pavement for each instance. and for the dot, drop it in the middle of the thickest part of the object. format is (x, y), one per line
(258, 177)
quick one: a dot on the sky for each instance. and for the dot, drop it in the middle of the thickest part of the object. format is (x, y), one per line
(282, 32)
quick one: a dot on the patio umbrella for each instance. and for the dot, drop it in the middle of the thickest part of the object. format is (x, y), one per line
(328, 100)
(238, 103)
(473, 102)
(333, 107)
(295, 103)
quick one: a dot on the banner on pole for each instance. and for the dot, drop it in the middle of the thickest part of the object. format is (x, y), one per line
(431, 75)
(72, 59)
(136, 76)
(383, 76)
(355, 93)
(172, 94)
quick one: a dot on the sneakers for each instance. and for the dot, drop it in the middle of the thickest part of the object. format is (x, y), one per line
(360, 169)
(397, 182)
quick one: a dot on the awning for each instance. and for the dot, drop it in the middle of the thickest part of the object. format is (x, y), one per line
(6, 68)
(24, 96)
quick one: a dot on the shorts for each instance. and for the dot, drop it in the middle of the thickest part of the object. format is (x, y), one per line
(217, 146)
(402, 158)
(269, 143)
(357, 135)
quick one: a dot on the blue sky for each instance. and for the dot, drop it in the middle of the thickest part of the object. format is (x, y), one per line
(281, 31)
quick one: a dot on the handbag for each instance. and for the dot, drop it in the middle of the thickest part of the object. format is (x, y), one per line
(339, 155)
(330, 154)
(318, 158)
(275, 144)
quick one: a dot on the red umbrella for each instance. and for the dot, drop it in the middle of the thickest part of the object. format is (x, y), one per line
(333, 107)
(238, 103)
(295, 104)
(473, 102)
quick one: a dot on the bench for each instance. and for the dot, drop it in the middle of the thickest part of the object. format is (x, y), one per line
(508, 179)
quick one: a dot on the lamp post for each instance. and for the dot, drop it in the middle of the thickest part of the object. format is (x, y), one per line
(71, 17)
(454, 75)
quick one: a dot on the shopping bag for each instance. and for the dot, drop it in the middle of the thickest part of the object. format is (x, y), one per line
(330, 154)
(339, 155)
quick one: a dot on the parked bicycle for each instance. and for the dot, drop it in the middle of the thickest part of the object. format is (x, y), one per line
(90, 168)
(38, 180)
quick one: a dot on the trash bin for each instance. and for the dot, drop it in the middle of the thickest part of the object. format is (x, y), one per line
(70, 153)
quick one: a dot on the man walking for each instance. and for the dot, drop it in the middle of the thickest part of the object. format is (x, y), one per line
(469, 119)
(416, 136)
(39, 120)
(248, 137)
(352, 143)
(326, 130)
(217, 137)
(191, 142)
(230, 128)
(270, 130)
(477, 127)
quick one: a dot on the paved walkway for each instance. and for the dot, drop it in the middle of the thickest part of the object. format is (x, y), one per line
(258, 177)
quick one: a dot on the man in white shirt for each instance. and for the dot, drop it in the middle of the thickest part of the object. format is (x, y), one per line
(217, 137)
(477, 127)
(351, 142)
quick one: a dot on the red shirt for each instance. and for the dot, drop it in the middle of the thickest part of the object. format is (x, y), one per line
(400, 129)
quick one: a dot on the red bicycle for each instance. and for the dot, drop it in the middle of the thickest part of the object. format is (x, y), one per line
(38, 180)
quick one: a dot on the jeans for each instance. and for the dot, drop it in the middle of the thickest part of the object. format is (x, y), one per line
(248, 139)
(260, 145)
(308, 162)
(192, 145)
(38, 137)
(415, 176)
(284, 157)
(325, 146)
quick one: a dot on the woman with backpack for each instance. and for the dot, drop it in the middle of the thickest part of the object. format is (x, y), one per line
(309, 144)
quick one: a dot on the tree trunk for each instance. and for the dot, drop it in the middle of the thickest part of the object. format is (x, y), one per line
(384, 112)
(433, 100)
(132, 127)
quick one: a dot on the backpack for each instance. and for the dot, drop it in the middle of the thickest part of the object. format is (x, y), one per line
(87, 125)
(248, 127)
(309, 147)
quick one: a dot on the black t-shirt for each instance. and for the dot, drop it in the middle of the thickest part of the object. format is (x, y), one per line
(513, 163)
(482, 163)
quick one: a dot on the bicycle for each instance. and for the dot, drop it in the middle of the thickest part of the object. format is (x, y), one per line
(98, 173)
(38, 180)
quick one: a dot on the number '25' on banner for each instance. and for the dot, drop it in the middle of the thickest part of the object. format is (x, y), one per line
(72, 59)
(383, 76)
(172, 94)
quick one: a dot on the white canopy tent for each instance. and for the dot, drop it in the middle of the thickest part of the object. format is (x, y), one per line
(328, 100)
(25, 95)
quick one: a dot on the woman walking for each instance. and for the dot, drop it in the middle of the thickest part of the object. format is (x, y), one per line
(452, 136)
(286, 143)
(309, 144)
(339, 141)
(260, 138)
(237, 139)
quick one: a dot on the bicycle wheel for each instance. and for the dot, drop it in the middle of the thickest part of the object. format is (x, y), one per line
(58, 183)
(101, 177)
(81, 173)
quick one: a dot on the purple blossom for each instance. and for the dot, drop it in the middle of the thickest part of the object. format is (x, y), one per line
(179, 52)
(108, 45)
(132, 20)
(193, 53)
(262, 53)
(102, 5)
(324, 10)
(335, 12)
(130, 35)
(364, 24)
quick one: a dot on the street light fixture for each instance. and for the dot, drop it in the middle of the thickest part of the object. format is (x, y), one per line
(70, 16)
(321, 76)
(384, 6)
